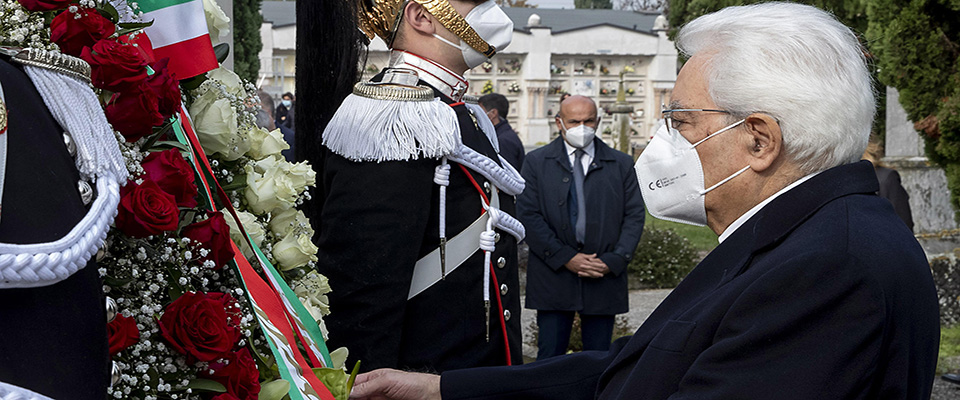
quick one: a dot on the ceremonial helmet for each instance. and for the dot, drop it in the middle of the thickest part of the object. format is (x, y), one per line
(382, 18)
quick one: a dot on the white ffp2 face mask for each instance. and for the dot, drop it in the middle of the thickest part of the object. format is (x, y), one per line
(671, 177)
(579, 136)
(492, 24)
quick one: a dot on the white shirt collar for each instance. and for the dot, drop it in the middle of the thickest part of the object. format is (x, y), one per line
(588, 149)
(444, 80)
(753, 211)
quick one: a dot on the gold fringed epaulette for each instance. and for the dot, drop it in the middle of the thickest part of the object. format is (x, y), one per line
(393, 92)
(389, 121)
(55, 61)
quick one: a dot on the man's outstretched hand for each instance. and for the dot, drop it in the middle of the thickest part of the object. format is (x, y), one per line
(390, 384)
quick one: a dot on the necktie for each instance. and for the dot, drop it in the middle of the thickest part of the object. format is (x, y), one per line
(581, 204)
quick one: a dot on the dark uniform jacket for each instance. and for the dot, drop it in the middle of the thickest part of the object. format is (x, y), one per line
(615, 216)
(823, 294)
(53, 339)
(378, 219)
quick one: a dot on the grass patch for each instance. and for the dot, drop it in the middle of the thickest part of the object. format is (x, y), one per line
(948, 360)
(700, 237)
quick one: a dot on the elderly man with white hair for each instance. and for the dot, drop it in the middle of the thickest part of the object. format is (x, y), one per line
(816, 291)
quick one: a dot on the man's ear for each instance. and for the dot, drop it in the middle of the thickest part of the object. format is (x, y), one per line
(556, 120)
(418, 18)
(764, 142)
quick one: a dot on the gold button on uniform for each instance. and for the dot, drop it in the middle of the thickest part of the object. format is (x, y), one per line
(501, 262)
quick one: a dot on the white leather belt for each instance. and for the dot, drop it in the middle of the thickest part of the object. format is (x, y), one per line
(427, 270)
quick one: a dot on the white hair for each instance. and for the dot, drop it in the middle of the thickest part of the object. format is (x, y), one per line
(796, 63)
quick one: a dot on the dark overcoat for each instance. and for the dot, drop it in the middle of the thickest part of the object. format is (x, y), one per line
(823, 294)
(378, 219)
(614, 208)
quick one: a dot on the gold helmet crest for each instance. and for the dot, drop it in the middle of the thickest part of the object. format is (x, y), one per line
(382, 18)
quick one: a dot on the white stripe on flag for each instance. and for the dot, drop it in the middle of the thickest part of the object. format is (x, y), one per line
(176, 24)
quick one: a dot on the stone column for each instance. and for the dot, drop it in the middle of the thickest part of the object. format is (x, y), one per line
(926, 184)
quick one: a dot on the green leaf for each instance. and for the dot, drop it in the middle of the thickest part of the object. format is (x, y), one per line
(221, 50)
(106, 9)
(353, 376)
(274, 390)
(135, 25)
(168, 144)
(206, 385)
(239, 182)
(194, 82)
(335, 380)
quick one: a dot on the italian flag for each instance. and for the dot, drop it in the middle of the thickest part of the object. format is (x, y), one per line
(179, 31)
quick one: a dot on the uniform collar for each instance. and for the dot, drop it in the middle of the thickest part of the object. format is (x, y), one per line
(439, 77)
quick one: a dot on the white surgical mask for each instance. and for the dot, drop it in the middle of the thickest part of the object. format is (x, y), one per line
(492, 24)
(671, 177)
(579, 136)
(286, 103)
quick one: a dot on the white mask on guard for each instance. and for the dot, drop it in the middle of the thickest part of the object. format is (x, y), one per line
(493, 26)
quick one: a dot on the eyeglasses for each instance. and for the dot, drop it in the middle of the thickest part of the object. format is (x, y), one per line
(667, 114)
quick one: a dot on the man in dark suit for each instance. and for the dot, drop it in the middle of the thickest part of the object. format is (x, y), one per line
(584, 216)
(497, 108)
(816, 291)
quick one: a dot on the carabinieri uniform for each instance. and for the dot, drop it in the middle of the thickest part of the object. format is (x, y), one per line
(407, 163)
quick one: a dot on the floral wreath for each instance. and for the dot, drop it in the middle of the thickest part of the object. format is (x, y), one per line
(183, 322)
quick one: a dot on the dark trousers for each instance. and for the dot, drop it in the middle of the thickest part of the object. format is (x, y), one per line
(554, 332)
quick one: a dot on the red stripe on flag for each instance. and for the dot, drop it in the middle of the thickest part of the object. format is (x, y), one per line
(189, 58)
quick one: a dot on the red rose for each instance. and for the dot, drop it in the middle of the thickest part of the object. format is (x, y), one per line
(123, 333)
(74, 31)
(134, 112)
(166, 87)
(115, 66)
(213, 234)
(238, 373)
(146, 210)
(202, 326)
(45, 5)
(173, 174)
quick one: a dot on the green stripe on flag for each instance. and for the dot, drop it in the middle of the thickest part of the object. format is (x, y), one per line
(153, 5)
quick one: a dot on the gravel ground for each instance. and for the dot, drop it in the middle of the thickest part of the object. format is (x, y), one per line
(642, 304)
(943, 390)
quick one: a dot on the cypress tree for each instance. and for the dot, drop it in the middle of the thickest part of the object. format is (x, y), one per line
(246, 38)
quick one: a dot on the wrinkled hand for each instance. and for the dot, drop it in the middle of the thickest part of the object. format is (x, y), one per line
(587, 266)
(390, 384)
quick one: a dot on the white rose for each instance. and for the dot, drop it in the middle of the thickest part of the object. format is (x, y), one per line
(253, 228)
(229, 79)
(301, 174)
(295, 250)
(216, 125)
(287, 220)
(268, 188)
(217, 22)
(265, 143)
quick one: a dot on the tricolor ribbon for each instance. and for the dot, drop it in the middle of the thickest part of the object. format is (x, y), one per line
(283, 318)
